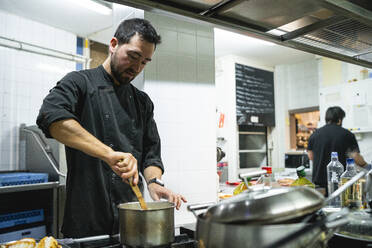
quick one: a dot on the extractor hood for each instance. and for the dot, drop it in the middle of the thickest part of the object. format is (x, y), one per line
(339, 29)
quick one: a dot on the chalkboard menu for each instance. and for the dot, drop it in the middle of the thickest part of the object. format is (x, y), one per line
(254, 96)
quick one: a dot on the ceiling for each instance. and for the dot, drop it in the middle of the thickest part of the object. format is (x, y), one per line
(339, 29)
(68, 16)
(259, 51)
(65, 14)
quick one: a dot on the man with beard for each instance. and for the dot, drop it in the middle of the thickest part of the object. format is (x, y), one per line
(110, 135)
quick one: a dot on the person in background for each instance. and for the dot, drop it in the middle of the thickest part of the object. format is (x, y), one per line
(332, 137)
(110, 134)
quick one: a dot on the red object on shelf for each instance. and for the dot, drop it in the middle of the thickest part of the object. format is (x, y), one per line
(232, 183)
(268, 169)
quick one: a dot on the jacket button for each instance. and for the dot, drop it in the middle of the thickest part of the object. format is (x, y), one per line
(107, 116)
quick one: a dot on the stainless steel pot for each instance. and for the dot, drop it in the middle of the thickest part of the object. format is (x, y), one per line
(221, 235)
(269, 218)
(146, 228)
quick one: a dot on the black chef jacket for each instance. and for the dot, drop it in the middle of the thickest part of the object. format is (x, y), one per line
(119, 116)
(327, 139)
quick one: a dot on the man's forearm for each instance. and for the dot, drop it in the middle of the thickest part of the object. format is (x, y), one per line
(359, 160)
(151, 172)
(72, 134)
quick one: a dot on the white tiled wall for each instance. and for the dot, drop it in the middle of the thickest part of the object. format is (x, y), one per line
(25, 78)
(180, 81)
(296, 86)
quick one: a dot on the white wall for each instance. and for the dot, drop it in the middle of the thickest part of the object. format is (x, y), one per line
(296, 87)
(25, 78)
(345, 80)
(226, 103)
(180, 81)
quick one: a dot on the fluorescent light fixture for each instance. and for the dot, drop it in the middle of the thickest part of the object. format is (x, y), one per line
(276, 32)
(94, 6)
(227, 35)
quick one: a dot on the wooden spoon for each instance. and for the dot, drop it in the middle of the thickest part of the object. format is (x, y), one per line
(138, 193)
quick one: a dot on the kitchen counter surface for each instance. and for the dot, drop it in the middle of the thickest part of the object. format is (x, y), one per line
(26, 187)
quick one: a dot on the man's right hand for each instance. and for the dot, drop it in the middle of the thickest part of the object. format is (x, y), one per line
(123, 164)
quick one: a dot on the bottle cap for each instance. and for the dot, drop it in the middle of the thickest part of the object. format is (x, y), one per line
(301, 171)
(349, 161)
(334, 154)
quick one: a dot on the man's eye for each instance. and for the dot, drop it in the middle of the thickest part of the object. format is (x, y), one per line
(132, 57)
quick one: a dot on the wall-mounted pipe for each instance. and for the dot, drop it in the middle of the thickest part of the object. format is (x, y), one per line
(31, 48)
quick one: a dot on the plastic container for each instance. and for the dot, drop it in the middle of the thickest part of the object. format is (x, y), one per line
(21, 218)
(334, 171)
(352, 196)
(19, 178)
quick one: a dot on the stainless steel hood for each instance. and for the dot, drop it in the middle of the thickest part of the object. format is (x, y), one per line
(339, 29)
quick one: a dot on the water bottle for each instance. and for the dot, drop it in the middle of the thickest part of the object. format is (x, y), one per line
(334, 171)
(352, 196)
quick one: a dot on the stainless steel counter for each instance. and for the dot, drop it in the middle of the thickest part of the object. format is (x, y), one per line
(26, 187)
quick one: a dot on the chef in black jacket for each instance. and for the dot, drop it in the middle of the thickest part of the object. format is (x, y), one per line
(109, 131)
(332, 137)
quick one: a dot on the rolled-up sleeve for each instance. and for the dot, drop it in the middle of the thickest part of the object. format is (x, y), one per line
(62, 102)
(152, 147)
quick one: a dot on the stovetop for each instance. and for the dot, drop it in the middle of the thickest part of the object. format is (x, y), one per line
(184, 240)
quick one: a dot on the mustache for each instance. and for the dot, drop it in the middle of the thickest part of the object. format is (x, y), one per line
(130, 71)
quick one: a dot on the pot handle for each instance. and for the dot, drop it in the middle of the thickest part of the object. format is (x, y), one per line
(194, 207)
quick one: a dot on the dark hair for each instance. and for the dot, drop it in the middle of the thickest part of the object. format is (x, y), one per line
(130, 27)
(334, 114)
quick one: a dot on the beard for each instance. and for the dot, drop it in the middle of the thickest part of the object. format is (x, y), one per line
(119, 74)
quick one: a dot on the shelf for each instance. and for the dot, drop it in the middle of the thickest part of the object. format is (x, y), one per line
(360, 130)
(252, 151)
(26, 187)
(252, 133)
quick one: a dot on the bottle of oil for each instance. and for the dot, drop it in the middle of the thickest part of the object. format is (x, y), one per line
(302, 180)
(352, 196)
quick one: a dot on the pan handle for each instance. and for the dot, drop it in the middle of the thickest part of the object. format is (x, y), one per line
(253, 173)
(334, 220)
(194, 207)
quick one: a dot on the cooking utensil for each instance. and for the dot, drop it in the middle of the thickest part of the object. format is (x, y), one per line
(154, 227)
(270, 206)
(221, 235)
(255, 219)
(138, 194)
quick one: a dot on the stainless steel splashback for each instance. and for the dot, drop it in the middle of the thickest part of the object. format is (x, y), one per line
(339, 29)
(40, 154)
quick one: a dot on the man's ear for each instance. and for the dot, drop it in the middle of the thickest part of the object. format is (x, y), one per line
(114, 43)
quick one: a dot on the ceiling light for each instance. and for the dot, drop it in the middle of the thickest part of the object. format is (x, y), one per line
(276, 32)
(240, 37)
(94, 6)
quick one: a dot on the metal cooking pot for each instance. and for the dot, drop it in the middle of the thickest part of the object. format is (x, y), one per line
(276, 205)
(271, 206)
(284, 215)
(222, 235)
(146, 228)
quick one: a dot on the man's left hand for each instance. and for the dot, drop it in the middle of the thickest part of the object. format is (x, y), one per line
(158, 192)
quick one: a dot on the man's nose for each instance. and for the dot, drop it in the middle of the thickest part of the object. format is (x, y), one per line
(137, 67)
